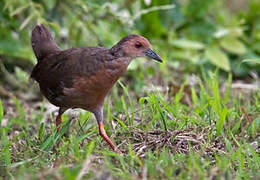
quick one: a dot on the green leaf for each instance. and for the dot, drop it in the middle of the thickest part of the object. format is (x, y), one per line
(41, 131)
(159, 109)
(76, 147)
(121, 123)
(218, 58)
(17, 164)
(233, 45)
(221, 121)
(6, 154)
(90, 148)
(194, 96)
(254, 61)
(191, 55)
(47, 142)
(187, 44)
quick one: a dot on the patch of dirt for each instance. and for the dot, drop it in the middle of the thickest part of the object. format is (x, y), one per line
(177, 141)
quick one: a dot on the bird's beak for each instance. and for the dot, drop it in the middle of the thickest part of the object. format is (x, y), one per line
(151, 54)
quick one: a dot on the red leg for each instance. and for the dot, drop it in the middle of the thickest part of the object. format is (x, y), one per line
(58, 125)
(103, 133)
(58, 122)
(58, 118)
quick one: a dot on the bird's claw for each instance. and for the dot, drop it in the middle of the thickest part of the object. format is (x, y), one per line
(118, 151)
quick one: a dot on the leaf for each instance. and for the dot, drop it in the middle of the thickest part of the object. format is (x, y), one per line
(221, 121)
(41, 131)
(234, 32)
(159, 109)
(228, 146)
(5, 152)
(233, 45)
(191, 55)
(16, 164)
(47, 142)
(90, 148)
(218, 58)
(121, 123)
(187, 44)
(254, 61)
(194, 96)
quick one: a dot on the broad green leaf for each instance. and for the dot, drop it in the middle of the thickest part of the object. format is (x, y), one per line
(256, 45)
(187, 44)
(233, 45)
(234, 32)
(254, 61)
(190, 55)
(218, 58)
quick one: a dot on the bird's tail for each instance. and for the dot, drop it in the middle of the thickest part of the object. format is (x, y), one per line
(43, 43)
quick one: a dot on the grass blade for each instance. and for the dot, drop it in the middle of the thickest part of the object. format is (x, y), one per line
(1, 112)
(6, 150)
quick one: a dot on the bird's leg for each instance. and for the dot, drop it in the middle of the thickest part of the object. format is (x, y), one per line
(58, 118)
(102, 132)
(58, 124)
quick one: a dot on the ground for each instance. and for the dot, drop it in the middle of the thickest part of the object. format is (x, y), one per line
(201, 129)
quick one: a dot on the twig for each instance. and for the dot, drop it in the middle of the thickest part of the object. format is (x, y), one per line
(248, 118)
(245, 86)
(154, 8)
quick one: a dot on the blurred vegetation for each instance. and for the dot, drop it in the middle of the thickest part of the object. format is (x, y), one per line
(189, 35)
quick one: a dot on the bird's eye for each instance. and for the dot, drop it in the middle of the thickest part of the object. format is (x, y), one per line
(138, 45)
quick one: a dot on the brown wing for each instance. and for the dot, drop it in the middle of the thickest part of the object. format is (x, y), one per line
(61, 70)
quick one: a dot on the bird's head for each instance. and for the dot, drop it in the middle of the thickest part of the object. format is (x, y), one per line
(136, 46)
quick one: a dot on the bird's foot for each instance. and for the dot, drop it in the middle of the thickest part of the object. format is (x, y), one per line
(118, 151)
(102, 132)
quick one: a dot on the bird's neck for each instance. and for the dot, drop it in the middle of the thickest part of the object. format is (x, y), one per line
(117, 51)
(120, 51)
(116, 68)
(121, 60)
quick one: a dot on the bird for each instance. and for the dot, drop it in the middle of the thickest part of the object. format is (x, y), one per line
(82, 77)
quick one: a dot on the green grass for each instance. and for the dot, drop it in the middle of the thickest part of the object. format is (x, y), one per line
(162, 136)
